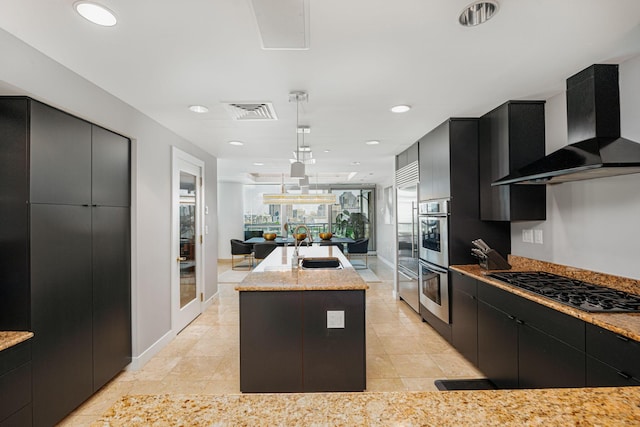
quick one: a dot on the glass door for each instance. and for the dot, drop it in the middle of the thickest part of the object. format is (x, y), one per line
(187, 239)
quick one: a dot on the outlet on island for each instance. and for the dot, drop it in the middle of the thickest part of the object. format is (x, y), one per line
(335, 319)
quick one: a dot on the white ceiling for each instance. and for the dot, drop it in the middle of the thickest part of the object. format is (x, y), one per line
(365, 56)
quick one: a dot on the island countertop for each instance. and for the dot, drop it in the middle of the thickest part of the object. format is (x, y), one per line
(274, 273)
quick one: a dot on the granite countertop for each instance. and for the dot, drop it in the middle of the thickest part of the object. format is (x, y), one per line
(549, 407)
(11, 338)
(274, 273)
(624, 324)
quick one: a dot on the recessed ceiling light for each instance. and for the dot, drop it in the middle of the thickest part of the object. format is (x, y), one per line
(198, 108)
(478, 12)
(258, 164)
(355, 163)
(372, 142)
(96, 13)
(238, 143)
(327, 151)
(400, 108)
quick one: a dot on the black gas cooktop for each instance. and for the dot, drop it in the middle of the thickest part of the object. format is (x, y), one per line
(575, 293)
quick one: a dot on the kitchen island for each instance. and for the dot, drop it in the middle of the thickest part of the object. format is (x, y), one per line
(302, 330)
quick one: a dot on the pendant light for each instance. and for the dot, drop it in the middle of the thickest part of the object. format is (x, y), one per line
(297, 167)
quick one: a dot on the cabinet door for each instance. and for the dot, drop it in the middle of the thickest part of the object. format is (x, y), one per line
(334, 358)
(464, 316)
(600, 374)
(440, 162)
(271, 331)
(14, 226)
(110, 168)
(511, 136)
(497, 346)
(545, 361)
(61, 310)
(60, 157)
(621, 354)
(111, 293)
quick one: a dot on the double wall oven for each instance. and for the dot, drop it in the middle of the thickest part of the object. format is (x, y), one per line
(433, 248)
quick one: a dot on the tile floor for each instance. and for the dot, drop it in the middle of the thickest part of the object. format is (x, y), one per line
(403, 353)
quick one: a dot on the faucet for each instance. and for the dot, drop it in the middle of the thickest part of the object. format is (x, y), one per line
(296, 257)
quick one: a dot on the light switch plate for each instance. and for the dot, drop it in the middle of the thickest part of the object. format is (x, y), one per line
(527, 236)
(537, 236)
(335, 319)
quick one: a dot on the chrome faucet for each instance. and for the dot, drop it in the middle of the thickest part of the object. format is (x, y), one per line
(296, 257)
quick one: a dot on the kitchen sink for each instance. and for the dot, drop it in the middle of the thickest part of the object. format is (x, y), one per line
(327, 263)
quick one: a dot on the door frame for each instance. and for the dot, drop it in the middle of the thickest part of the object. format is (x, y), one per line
(177, 156)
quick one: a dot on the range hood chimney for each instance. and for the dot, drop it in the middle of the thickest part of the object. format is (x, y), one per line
(595, 147)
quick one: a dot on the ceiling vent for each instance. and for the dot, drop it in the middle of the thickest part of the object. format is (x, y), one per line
(251, 111)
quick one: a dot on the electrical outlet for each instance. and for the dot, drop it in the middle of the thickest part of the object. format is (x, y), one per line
(335, 319)
(527, 236)
(537, 236)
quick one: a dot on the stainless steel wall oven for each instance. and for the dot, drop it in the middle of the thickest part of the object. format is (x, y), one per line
(434, 231)
(433, 224)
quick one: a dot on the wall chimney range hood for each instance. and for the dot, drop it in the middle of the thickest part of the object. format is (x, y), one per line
(595, 147)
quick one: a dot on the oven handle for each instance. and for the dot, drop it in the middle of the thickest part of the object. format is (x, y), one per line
(434, 267)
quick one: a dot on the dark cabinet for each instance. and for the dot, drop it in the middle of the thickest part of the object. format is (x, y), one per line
(497, 344)
(435, 164)
(334, 358)
(66, 232)
(271, 341)
(612, 359)
(464, 315)
(511, 136)
(15, 385)
(287, 346)
(527, 345)
(449, 169)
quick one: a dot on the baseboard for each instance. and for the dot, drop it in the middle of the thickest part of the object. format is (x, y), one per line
(138, 362)
(387, 262)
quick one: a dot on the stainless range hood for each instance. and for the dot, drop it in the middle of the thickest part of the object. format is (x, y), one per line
(595, 147)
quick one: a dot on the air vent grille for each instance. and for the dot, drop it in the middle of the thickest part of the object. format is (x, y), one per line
(251, 110)
(408, 175)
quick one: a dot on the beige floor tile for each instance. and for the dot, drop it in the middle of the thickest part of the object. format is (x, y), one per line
(380, 366)
(385, 384)
(420, 384)
(453, 365)
(403, 344)
(195, 368)
(415, 366)
(222, 387)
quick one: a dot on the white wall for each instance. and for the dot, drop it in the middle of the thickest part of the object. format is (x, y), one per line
(28, 72)
(386, 246)
(593, 224)
(230, 216)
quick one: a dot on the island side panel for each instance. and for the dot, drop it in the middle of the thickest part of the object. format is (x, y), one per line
(271, 341)
(334, 358)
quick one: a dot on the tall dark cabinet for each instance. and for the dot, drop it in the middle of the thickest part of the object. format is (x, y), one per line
(66, 250)
(511, 136)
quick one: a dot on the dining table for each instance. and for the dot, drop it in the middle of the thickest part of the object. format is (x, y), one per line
(282, 241)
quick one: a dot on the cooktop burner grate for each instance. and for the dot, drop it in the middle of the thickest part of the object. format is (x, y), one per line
(575, 293)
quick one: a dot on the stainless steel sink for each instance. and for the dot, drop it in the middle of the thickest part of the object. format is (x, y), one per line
(326, 263)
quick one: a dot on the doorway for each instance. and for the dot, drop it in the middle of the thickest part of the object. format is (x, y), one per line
(187, 238)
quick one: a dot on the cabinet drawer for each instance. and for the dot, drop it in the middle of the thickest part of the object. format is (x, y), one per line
(15, 390)
(464, 283)
(622, 354)
(567, 329)
(498, 298)
(15, 356)
(602, 375)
